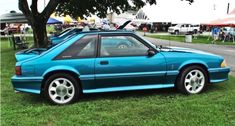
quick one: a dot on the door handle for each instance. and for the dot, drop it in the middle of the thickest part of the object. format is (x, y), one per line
(104, 62)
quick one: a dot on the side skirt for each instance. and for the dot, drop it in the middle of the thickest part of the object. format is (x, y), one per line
(127, 88)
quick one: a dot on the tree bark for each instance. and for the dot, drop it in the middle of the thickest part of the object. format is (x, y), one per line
(39, 33)
(38, 20)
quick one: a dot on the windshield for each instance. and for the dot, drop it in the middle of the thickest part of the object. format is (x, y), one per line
(151, 44)
(178, 25)
(64, 33)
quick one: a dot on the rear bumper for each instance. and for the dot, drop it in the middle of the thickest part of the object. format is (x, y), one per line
(218, 74)
(27, 84)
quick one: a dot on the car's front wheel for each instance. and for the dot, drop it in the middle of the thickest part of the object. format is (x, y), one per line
(61, 89)
(192, 80)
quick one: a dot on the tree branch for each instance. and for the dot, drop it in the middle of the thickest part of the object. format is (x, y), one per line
(23, 6)
(34, 7)
(50, 8)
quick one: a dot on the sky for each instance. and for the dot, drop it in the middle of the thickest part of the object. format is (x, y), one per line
(165, 10)
(180, 11)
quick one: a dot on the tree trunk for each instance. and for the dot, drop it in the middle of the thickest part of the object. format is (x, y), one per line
(38, 20)
(39, 34)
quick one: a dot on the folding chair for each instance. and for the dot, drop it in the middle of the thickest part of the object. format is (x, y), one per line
(19, 43)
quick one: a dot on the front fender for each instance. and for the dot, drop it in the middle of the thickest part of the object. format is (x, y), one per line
(188, 62)
(61, 67)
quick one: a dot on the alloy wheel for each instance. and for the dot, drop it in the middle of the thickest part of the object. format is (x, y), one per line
(61, 90)
(194, 81)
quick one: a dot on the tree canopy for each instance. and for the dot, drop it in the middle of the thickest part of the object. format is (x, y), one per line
(100, 8)
(80, 8)
(74, 8)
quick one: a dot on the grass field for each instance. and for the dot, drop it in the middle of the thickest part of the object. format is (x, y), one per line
(199, 39)
(214, 107)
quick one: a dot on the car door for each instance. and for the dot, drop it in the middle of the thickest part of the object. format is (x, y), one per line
(81, 57)
(184, 28)
(125, 62)
(190, 28)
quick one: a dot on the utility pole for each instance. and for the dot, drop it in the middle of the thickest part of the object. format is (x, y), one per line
(228, 8)
(44, 3)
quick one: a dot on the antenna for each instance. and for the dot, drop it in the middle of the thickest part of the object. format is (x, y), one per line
(44, 3)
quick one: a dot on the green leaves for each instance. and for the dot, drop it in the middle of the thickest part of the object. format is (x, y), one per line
(100, 8)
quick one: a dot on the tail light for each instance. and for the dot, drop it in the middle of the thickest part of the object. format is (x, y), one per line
(18, 70)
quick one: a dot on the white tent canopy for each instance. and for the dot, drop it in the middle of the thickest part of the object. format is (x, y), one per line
(181, 12)
(13, 17)
(227, 20)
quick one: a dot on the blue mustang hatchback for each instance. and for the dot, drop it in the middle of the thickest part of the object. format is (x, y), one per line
(92, 62)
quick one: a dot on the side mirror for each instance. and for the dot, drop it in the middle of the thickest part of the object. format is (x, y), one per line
(151, 53)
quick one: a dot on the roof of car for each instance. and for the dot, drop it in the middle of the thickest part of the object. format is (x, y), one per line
(108, 31)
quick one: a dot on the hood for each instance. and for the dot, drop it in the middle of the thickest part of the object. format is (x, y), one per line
(184, 50)
(28, 53)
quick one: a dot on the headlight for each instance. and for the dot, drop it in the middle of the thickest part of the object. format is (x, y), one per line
(223, 64)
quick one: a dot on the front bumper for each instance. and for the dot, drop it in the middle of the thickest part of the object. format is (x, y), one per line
(27, 84)
(218, 74)
(171, 30)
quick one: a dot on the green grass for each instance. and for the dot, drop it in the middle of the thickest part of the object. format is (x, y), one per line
(181, 38)
(214, 107)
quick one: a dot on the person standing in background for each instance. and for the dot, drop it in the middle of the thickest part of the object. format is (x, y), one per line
(215, 34)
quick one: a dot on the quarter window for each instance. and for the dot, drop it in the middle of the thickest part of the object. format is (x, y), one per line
(83, 48)
(121, 46)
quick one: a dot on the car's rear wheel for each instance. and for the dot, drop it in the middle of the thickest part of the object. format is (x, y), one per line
(61, 89)
(192, 80)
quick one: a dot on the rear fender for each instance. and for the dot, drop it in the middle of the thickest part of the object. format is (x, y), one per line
(61, 67)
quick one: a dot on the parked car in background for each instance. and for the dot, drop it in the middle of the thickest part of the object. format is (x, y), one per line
(229, 30)
(184, 29)
(91, 62)
(64, 35)
(59, 34)
(10, 30)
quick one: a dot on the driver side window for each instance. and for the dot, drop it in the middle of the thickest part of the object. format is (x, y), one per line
(122, 46)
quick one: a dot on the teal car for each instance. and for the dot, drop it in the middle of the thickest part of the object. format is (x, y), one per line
(94, 62)
(67, 34)
(64, 35)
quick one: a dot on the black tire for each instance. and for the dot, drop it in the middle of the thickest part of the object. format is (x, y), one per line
(195, 31)
(68, 77)
(176, 32)
(181, 84)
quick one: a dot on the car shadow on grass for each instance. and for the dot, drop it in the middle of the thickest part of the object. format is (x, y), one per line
(34, 99)
(167, 93)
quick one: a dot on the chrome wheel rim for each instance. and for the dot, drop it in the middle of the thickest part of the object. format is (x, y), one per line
(61, 90)
(194, 81)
